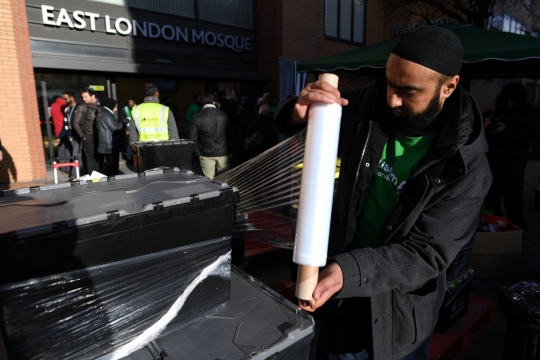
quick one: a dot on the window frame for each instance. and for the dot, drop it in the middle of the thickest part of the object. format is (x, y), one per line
(351, 42)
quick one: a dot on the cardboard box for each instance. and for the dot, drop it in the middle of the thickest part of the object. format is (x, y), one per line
(496, 254)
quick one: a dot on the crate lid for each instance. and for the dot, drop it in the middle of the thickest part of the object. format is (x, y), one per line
(35, 211)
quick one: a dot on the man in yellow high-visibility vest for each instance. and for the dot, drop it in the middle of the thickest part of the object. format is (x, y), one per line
(151, 121)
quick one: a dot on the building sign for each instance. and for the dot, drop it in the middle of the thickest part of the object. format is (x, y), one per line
(401, 28)
(84, 20)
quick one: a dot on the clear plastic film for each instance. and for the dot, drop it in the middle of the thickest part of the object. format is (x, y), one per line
(108, 310)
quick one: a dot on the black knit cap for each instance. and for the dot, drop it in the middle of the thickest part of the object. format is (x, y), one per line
(108, 103)
(433, 47)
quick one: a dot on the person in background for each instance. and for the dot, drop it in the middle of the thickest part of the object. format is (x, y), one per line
(57, 115)
(125, 117)
(510, 132)
(84, 124)
(70, 142)
(211, 133)
(110, 136)
(152, 121)
(246, 116)
(167, 101)
(194, 108)
(216, 99)
(229, 104)
(263, 125)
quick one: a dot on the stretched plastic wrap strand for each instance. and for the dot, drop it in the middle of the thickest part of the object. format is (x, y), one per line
(90, 313)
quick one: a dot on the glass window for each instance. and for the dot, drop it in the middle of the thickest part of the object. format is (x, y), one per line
(358, 21)
(228, 12)
(344, 20)
(330, 21)
(506, 23)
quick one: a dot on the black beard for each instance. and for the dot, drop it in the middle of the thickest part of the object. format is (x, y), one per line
(419, 124)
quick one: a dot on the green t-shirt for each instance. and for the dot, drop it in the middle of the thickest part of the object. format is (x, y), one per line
(192, 110)
(399, 158)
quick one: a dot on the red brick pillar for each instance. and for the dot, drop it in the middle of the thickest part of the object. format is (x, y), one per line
(19, 117)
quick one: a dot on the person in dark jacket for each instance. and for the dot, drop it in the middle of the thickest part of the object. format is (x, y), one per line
(69, 138)
(510, 132)
(262, 125)
(84, 124)
(412, 181)
(211, 133)
(110, 136)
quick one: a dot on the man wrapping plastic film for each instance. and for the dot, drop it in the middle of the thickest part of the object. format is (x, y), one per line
(413, 178)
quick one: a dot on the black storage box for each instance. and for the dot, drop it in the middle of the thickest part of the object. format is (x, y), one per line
(153, 154)
(456, 301)
(255, 323)
(58, 228)
(85, 267)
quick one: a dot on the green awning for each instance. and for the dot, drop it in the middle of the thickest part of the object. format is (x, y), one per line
(487, 54)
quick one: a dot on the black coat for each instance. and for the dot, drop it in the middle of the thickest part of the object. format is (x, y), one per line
(433, 218)
(211, 133)
(109, 131)
(509, 149)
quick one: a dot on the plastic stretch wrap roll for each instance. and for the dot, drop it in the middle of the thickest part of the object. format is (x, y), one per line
(317, 191)
(90, 313)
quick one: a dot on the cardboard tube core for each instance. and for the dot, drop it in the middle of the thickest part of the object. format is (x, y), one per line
(308, 277)
(330, 78)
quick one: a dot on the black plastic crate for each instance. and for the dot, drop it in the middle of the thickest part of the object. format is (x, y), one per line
(60, 228)
(256, 323)
(85, 314)
(456, 301)
(153, 154)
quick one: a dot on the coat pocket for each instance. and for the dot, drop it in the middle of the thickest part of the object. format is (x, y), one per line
(414, 313)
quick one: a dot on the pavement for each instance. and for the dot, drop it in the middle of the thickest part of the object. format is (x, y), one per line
(270, 268)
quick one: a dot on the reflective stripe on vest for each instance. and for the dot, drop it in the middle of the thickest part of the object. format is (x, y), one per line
(151, 120)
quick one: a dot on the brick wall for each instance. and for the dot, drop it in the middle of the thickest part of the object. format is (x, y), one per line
(295, 30)
(19, 119)
(269, 27)
(303, 29)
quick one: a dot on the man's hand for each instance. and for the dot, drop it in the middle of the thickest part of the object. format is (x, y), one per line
(319, 91)
(330, 282)
(1, 156)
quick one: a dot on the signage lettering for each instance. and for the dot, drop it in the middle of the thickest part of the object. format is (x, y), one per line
(81, 20)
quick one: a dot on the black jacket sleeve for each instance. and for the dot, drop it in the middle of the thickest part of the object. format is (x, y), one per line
(194, 136)
(282, 117)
